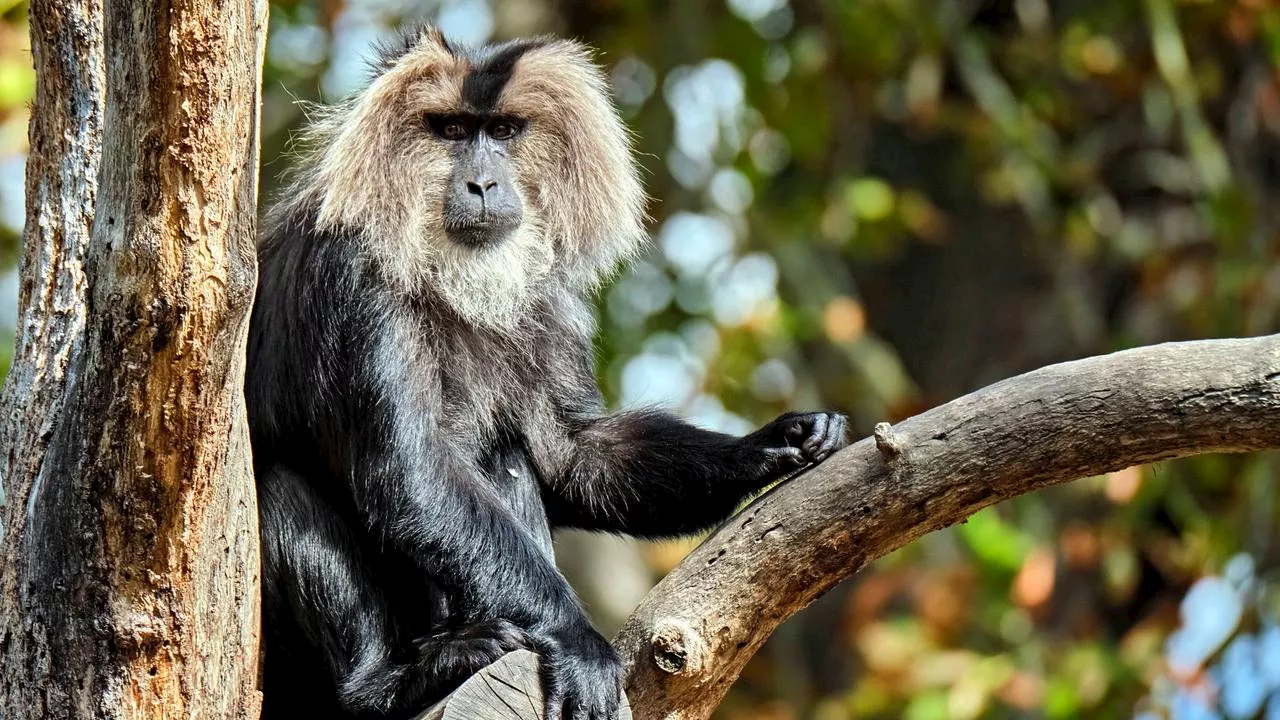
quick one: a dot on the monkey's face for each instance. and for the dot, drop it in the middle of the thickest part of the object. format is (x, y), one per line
(481, 173)
(482, 203)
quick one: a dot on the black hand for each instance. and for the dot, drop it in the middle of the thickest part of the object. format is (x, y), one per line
(581, 675)
(798, 439)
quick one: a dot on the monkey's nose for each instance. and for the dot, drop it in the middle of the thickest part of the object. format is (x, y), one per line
(480, 187)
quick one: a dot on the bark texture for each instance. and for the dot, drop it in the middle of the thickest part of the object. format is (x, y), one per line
(130, 553)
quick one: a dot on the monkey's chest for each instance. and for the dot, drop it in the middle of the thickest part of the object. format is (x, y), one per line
(494, 394)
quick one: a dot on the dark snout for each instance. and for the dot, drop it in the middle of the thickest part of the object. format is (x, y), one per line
(482, 205)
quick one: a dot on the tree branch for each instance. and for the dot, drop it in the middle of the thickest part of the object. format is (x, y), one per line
(693, 633)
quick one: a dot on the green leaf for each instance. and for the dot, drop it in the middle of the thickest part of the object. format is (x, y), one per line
(995, 542)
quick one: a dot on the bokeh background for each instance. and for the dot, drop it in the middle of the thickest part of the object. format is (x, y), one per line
(876, 206)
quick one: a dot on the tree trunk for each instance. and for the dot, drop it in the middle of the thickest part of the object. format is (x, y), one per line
(130, 579)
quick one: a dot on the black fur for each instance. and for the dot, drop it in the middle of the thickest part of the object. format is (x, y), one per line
(411, 468)
(390, 50)
(491, 70)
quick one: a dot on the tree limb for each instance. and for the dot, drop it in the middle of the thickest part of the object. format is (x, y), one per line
(693, 633)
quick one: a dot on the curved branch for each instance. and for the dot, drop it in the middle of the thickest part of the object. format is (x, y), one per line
(694, 632)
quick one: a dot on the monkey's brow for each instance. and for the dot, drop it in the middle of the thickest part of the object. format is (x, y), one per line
(475, 118)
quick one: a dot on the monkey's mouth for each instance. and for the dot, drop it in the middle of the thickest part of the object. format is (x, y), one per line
(480, 232)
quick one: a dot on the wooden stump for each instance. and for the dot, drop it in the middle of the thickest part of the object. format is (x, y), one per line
(506, 690)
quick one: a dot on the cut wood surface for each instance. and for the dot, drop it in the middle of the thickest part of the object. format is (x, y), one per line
(509, 689)
(693, 633)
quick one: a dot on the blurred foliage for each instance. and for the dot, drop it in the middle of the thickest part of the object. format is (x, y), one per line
(878, 205)
(17, 89)
(1231, 619)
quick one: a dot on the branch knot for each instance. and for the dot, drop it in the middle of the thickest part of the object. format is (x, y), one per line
(887, 442)
(678, 649)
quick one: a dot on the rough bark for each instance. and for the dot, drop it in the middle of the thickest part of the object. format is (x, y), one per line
(690, 638)
(130, 551)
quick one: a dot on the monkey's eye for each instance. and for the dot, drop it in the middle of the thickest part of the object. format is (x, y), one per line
(504, 130)
(449, 128)
(453, 131)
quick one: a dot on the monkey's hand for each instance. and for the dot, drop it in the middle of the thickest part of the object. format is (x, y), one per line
(795, 440)
(455, 655)
(581, 674)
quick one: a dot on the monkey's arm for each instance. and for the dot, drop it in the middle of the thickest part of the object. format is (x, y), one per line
(418, 497)
(421, 498)
(651, 474)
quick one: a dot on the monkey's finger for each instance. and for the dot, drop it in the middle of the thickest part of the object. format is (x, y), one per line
(572, 709)
(791, 427)
(835, 438)
(786, 456)
(604, 713)
(817, 434)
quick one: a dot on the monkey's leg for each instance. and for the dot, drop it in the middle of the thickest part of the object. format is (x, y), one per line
(451, 656)
(321, 595)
